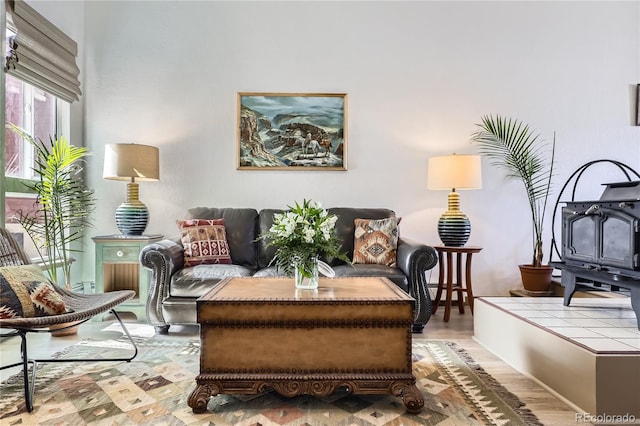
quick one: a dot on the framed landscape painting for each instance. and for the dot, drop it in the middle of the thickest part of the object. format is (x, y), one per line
(638, 105)
(292, 131)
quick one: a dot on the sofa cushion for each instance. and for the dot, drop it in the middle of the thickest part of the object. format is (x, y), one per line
(25, 292)
(345, 225)
(265, 221)
(204, 241)
(241, 226)
(269, 272)
(194, 281)
(362, 270)
(376, 241)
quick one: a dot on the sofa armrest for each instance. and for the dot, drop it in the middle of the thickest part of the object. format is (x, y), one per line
(163, 258)
(414, 259)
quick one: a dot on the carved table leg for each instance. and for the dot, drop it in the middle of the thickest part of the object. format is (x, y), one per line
(199, 398)
(411, 397)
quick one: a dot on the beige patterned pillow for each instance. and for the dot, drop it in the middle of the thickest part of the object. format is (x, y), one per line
(25, 292)
(376, 241)
(204, 241)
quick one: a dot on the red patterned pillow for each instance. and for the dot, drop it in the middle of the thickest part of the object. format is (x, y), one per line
(376, 241)
(25, 292)
(204, 241)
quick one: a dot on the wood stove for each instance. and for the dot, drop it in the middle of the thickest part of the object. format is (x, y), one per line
(601, 242)
(604, 235)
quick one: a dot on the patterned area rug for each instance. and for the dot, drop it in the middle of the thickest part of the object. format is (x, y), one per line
(153, 390)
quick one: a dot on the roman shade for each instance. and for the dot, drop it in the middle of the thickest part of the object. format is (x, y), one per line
(39, 53)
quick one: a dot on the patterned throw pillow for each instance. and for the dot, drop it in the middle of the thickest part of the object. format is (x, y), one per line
(376, 241)
(25, 292)
(204, 241)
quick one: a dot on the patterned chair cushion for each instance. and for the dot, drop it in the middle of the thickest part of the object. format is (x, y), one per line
(25, 292)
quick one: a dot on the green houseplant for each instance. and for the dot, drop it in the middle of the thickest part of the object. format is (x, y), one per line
(63, 203)
(511, 145)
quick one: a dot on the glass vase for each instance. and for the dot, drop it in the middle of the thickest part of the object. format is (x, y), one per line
(306, 273)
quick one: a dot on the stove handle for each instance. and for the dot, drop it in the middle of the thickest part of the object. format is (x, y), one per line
(592, 210)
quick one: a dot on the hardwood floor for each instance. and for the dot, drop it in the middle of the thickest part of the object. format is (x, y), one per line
(549, 409)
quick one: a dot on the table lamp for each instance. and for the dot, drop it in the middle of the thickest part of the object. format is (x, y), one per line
(453, 172)
(131, 162)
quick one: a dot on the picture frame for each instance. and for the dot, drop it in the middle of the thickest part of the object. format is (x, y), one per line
(638, 105)
(292, 131)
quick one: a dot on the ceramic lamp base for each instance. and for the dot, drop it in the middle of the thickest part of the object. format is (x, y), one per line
(454, 226)
(454, 230)
(132, 218)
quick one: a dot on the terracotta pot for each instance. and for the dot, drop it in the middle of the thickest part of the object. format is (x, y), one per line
(536, 278)
(59, 330)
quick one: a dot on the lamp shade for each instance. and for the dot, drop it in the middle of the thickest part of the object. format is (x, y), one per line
(454, 171)
(123, 161)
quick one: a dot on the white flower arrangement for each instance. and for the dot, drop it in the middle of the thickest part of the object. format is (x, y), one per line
(302, 234)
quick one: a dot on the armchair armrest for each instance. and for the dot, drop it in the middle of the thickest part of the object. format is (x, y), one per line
(414, 259)
(163, 258)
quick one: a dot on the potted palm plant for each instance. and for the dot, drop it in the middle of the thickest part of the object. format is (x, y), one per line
(511, 145)
(63, 203)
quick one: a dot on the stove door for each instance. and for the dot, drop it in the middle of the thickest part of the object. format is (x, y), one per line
(579, 237)
(606, 239)
(618, 245)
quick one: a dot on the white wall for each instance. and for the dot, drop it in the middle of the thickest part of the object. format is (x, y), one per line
(418, 76)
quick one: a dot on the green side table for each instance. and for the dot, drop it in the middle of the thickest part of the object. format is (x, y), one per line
(118, 268)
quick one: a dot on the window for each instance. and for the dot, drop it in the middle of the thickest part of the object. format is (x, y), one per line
(32, 109)
(40, 114)
(40, 80)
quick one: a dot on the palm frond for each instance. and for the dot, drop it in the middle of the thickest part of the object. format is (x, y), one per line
(64, 203)
(512, 146)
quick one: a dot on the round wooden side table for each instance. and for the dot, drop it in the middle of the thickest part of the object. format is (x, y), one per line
(460, 282)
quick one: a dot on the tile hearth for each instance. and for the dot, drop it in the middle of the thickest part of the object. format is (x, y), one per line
(601, 325)
(587, 354)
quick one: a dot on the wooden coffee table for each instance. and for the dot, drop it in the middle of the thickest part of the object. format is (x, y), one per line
(261, 333)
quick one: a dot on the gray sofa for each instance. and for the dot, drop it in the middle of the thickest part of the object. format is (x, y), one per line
(174, 288)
